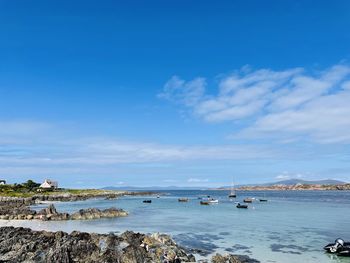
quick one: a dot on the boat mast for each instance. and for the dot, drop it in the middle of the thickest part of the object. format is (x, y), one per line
(232, 187)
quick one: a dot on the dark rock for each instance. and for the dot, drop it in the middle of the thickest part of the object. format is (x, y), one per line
(25, 245)
(94, 213)
(232, 259)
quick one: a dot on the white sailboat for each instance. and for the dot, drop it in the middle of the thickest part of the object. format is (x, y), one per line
(232, 192)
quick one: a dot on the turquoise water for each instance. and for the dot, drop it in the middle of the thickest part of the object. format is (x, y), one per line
(292, 227)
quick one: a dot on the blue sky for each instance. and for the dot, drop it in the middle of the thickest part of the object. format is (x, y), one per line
(186, 93)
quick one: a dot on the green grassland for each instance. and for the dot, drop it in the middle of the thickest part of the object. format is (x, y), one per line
(30, 188)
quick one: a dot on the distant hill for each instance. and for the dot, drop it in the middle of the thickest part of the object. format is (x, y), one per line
(299, 181)
(292, 182)
(165, 188)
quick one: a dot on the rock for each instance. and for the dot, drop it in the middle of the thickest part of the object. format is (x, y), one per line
(50, 210)
(16, 210)
(232, 259)
(94, 213)
(30, 217)
(25, 245)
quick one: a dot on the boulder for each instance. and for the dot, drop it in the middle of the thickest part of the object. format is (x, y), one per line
(94, 213)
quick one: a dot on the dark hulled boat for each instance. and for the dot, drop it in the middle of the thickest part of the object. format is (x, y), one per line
(232, 192)
(241, 206)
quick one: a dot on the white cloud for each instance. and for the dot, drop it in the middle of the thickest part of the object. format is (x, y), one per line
(284, 105)
(54, 153)
(287, 175)
(170, 181)
(282, 177)
(197, 180)
(188, 93)
(23, 127)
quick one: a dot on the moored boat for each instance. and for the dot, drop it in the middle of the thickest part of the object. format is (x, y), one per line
(241, 206)
(213, 201)
(232, 192)
(183, 199)
(209, 201)
(248, 200)
(147, 201)
(263, 199)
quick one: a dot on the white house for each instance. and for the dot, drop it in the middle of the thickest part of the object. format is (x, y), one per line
(49, 184)
(2, 182)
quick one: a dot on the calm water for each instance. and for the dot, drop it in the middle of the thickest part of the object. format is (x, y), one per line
(290, 227)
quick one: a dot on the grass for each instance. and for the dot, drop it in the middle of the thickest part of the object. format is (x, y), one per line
(23, 191)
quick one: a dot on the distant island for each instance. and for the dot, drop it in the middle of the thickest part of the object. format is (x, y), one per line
(291, 184)
(294, 184)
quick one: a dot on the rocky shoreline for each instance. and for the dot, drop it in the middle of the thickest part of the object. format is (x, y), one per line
(19, 211)
(14, 208)
(67, 197)
(24, 245)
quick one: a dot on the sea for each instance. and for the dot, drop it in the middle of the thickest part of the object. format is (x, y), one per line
(291, 227)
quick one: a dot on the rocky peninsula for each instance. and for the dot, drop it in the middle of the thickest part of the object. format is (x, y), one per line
(25, 245)
(16, 199)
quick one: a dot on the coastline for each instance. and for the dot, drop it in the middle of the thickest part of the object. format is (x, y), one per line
(18, 208)
(128, 247)
(206, 228)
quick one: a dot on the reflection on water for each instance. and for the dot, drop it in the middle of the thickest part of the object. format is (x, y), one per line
(291, 227)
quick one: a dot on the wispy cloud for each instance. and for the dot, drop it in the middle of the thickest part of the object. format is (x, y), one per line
(197, 180)
(287, 175)
(287, 104)
(50, 152)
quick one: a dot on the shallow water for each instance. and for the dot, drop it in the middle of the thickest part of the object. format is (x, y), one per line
(292, 227)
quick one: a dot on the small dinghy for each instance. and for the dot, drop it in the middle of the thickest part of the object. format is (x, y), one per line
(339, 247)
(241, 206)
(147, 201)
(248, 200)
(209, 201)
(183, 199)
(214, 201)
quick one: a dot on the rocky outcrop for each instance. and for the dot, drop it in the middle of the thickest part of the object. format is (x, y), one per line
(18, 211)
(15, 209)
(94, 213)
(232, 259)
(24, 245)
